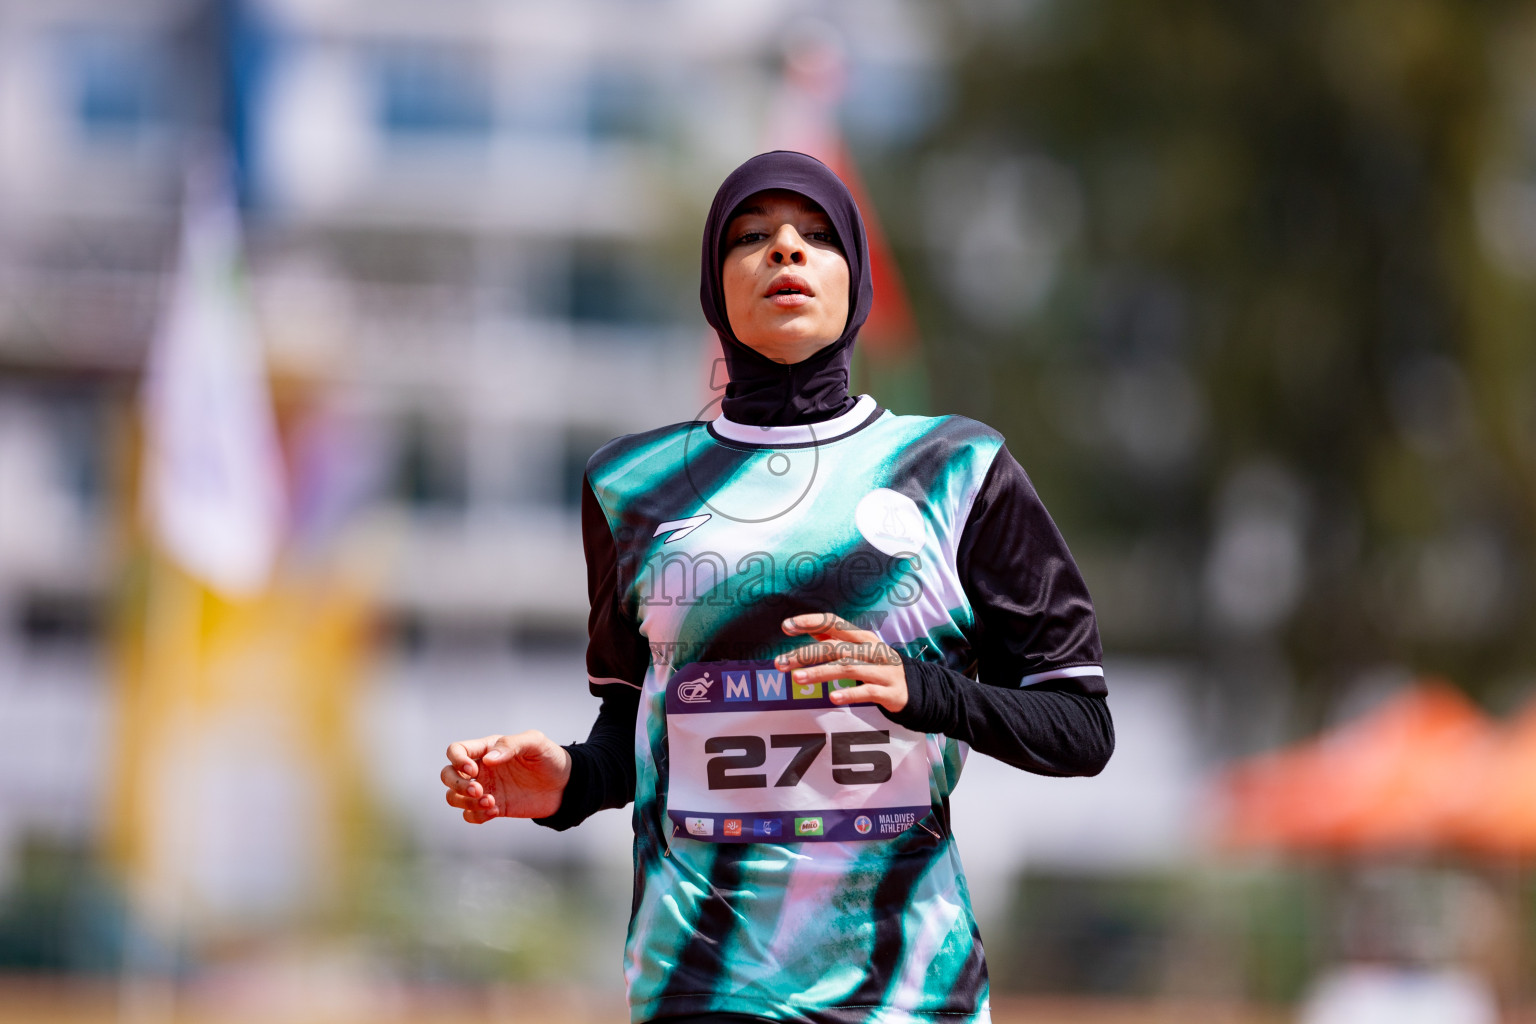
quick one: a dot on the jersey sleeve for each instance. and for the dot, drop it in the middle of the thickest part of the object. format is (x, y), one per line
(1039, 703)
(617, 655)
(1034, 617)
(603, 767)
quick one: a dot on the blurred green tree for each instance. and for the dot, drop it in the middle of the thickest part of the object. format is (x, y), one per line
(1241, 284)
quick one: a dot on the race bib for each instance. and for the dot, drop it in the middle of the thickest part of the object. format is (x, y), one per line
(755, 758)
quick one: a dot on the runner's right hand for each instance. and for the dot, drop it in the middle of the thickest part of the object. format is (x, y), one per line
(520, 776)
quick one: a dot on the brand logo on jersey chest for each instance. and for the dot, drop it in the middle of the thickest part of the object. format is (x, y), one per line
(680, 528)
(891, 522)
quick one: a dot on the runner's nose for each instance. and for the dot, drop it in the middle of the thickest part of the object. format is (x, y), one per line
(788, 246)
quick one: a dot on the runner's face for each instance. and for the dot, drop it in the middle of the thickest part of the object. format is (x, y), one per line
(784, 277)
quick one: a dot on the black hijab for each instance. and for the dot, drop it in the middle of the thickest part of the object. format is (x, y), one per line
(762, 392)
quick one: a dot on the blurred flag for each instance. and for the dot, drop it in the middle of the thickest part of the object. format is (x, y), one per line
(805, 119)
(213, 469)
(887, 360)
(237, 682)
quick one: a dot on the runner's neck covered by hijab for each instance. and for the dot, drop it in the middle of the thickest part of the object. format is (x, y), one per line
(762, 392)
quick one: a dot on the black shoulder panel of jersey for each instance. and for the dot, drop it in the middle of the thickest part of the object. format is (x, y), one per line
(617, 655)
(1034, 616)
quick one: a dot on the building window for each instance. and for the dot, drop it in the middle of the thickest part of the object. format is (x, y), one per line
(611, 288)
(622, 106)
(115, 83)
(434, 92)
(430, 472)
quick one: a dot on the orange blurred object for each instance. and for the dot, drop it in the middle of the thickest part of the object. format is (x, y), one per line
(1497, 811)
(1397, 779)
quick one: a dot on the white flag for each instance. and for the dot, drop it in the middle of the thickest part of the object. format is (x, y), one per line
(213, 467)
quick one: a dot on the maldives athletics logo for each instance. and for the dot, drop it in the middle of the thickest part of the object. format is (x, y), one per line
(695, 691)
(862, 824)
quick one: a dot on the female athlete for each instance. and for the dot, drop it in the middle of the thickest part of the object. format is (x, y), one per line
(804, 612)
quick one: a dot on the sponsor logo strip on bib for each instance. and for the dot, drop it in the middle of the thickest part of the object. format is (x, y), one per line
(825, 825)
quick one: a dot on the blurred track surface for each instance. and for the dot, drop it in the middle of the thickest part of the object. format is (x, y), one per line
(32, 1001)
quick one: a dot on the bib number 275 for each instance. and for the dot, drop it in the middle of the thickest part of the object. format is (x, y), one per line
(851, 766)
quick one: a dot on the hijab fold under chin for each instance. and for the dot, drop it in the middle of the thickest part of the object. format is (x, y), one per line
(762, 392)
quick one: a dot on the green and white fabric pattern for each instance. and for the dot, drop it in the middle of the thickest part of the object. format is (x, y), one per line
(722, 531)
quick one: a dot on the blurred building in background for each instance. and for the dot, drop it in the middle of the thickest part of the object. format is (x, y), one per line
(470, 255)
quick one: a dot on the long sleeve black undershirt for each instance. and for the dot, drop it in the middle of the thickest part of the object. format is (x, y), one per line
(602, 768)
(1049, 729)
(1033, 616)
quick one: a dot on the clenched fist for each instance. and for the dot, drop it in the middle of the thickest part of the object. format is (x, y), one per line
(520, 776)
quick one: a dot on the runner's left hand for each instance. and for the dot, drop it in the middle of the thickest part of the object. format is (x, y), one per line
(844, 651)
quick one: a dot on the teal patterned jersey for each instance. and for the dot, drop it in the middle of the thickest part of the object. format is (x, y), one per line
(721, 531)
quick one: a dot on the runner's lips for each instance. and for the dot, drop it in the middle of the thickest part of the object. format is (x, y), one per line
(789, 284)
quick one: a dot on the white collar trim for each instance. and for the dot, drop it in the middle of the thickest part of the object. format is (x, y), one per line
(808, 433)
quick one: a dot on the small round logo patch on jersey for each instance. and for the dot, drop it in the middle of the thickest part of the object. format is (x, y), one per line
(862, 824)
(891, 522)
